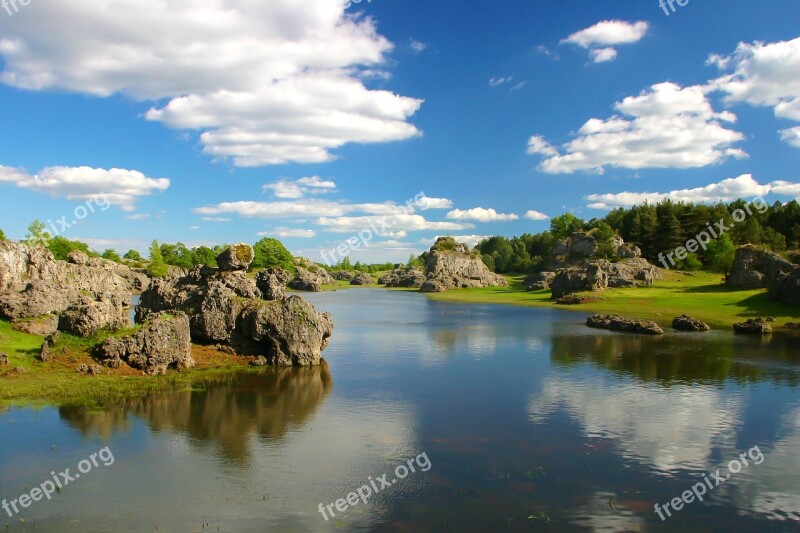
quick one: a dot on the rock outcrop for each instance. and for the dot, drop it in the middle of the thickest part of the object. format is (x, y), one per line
(41, 326)
(33, 284)
(539, 281)
(272, 283)
(235, 258)
(618, 323)
(452, 266)
(404, 276)
(786, 288)
(756, 326)
(362, 279)
(310, 280)
(602, 274)
(687, 323)
(163, 343)
(226, 308)
(343, 275)
(754, 268)
(3, 359)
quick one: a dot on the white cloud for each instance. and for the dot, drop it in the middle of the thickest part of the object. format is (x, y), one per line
(494, 82)
(138, 216)
(284, 233)
(726, 190)
(791, 136)
(406, 223)
(518, 86)
(545, 51)
(603, 36)
(469, 240)
(480, 214)
(536, 215)
(194, 228)
(669, 127)
(435, 203)
(300, 188)
(268, 83)
(601, 55)
(417, 46)
(215, 219)
(117, 186)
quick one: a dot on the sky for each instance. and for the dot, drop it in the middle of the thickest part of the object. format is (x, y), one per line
(385, 123)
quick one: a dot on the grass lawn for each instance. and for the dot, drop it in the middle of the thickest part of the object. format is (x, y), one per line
(702, 296)
(57, 382)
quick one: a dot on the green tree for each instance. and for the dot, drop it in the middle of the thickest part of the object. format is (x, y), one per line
(271, 252)
(111, 255)
(61, 247)
(157, 267)
(565, 225)
(203, 255)
(2, 235)
(37, 234)
(133, 255)
(720, 254)
(604, 235)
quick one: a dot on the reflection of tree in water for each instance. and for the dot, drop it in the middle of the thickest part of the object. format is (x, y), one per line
(682, 359)
(226, 411)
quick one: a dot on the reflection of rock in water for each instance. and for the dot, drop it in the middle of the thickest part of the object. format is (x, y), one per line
(226, 411)
(682, 359)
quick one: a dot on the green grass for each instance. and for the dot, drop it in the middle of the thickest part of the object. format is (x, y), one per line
(703, 296)
(57, 382)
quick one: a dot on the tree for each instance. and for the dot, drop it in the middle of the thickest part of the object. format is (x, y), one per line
(157, 267)
(271, 253)
(37, 236)
(565, 225)
(111, 255)
(720, 254)
(61, 247)
(2, 235)
(604, 235)
(133, 255)
(203, 255)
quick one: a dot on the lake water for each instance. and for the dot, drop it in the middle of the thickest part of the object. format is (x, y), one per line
(523, 420)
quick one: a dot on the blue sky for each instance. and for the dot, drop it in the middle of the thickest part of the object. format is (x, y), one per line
(309, 120)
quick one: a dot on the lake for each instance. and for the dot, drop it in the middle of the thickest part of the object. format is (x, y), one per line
(503, 419)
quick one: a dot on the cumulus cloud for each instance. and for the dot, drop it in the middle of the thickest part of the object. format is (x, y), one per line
(117, 186)
(300, 188)
(667, 126)
(268, 83)
(434, 203)
(728, 190)
(791, 136)
(601, 38)
(481, 215)
(536, 215)
(405, 223)
(284, 233)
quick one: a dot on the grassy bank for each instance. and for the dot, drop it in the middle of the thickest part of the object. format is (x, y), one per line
(26, 381)
(702, 296)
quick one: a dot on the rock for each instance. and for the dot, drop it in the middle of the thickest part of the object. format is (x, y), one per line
(259, 361)
(754, 268)
(41, 326)
(754, 326)
(362, 279)
(76, 257)
(792, 325)
(343, 275)
(404, 276)
(46, 352)
(601, 274)
(786, 288)
(163, 342)
(91, 370)
(451, 266)
(687, 323)
(92, 314)
(572, 299)
(3, 359)
(20, 370)
(226, 308)
(272, 283)
(34, 284)
(311, 280)
(618, 323)
(236, 257)
(539, 281)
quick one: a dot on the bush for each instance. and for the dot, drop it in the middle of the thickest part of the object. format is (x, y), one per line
(272, 253)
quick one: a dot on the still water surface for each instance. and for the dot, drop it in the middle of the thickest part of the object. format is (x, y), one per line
(530, 422)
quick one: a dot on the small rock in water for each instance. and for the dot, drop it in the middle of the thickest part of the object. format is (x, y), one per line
(753, 326)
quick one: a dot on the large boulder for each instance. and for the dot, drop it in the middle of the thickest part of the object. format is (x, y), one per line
(602, 274)
(34, 284)
(786, 288)
(272, 283)
(236, 257)
(618, 323)
(754, 268)
(404, 276)
(362, 279)
(757, 326)
(311, 279)
(539, 281)
(343, 275)
(163, 342)
(687, 323)
(451, 266)
(225, 308)
(92, 314)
